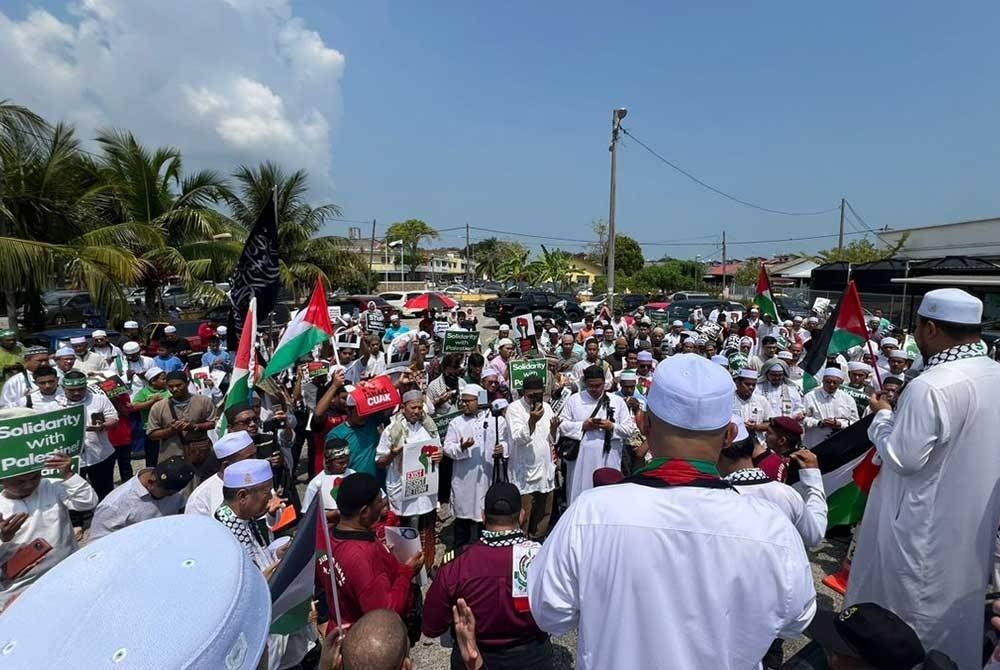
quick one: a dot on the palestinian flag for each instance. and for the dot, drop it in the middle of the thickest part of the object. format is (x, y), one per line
(310, 327)
(244, 374)
(844, 330)
(845, 460)
(765, 299)
(293, 583)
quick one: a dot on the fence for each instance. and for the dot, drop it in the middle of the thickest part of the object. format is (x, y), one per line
(897, 308)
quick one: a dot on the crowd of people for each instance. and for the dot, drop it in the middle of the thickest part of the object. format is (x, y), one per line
(635, 491)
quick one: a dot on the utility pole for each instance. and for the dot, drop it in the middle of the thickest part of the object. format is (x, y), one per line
(371, 255)
(616, 125)
(840, 237)
(468, 255)
(723, 264)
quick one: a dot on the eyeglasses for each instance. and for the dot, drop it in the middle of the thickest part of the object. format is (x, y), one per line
(247, 422)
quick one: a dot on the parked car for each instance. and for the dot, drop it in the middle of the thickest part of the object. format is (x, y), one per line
(60, 337)
(682, 309)
(542, 303)
(658, 312)
(628, 302)
(61, 308)
(690, 295)
(186, 330)
(397, 300)
(456, 289)
(359, 303)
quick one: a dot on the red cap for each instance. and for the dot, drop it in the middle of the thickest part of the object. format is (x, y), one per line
(787, 424)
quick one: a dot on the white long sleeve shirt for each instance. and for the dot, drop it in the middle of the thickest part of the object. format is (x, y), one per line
(530, 466)
(820, 405)
(804, 504)
(412, 432)
(784, 399)
(925, 547)
(472, 468)
(207, 497)
(15, 390)
(48, 519)
(755, 409)
(679, 577)
(579, 407)
(96, 444)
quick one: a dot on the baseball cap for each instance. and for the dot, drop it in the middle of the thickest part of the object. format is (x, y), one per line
(869, 632)
(165, 556)
(502, 499)
(173, 474)
(689, 391)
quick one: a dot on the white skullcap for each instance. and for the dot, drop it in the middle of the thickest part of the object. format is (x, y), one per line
(99, 333)
(747, 373)
(785, 355)
(858, 366)
(677, 324)
(813, 319)
(746, 340)
(130, 348)
(796, 318)
(230, 443)
(248, 473)
(741, 428)
(504, 326)
(754, 309)
(689, 391)
(721, 360)
(412, 396)
(131, 324)
(776, 368)
(64, 352)
(598, 331)
(627, 376)
(474, 390)
(833, 372)
(78, 340)
(952, 305)
(168, 556)
(553, 331)
(889, 341)
(899, 353)
(153, 372)
(504, 342)
(644, 357)
(170, 329)
(787, 323)
(221, 330)
(488, 372)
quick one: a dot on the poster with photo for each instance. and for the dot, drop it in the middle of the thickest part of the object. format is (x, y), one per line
(522, 329)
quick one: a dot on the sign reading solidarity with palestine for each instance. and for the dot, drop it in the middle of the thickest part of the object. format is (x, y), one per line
(375, 395)
(420, 473)
(520, 370)
(460, 341)
(27, 441)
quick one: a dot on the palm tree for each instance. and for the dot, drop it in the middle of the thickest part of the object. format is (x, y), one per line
(48, 222)
(515, 267)
(176, 228)
(556, 266)
(305, 254)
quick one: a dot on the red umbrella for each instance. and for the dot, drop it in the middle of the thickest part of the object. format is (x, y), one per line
(430, 300)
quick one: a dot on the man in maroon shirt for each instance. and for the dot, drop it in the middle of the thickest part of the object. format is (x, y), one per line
(784, 435)
(483, 574)
(369, 577)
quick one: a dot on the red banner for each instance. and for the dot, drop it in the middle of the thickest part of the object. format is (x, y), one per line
(375, 395)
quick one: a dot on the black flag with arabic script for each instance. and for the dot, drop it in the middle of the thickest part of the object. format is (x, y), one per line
(256, 273)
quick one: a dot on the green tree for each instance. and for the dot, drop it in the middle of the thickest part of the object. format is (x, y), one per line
(598, 251)
(859, 251)
(411, 231)
(305, 254)
(668, 276)
(628, 256)
(515, 267)
(747, 274)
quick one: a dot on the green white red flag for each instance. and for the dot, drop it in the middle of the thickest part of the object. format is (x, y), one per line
(765, 299)
(310, 327)
(244, 375)
(844, 330)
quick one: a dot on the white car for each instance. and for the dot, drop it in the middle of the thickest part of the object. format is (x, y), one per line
(397, 299)
(455, 289)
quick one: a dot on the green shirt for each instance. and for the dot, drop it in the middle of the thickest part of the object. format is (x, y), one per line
(362, 441)
(145, 394)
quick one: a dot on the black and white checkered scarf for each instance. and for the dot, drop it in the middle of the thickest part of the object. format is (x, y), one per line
(957, 353)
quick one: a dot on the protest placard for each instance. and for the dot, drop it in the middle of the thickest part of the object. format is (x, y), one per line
(420, 473)
(521, 369)
(113, 387)
(399, 352)
(460, 341)
(523, 329)
(27, 441)
(375, 395)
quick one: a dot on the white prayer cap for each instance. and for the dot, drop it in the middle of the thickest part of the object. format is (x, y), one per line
(721, 360)
(472, 390)
(776, 368)
(505, 342)
(598, 331)
(644, 356)
(677, 324)
(412, 396)
(858, 366)
(504, 326)
(741, 428)
(627, 376)
(489, 372)
(747, 373)
(172, 555)
(248, 473)
(785, 355)
(834, 372)
(797, 319)
(691, 392)
(99, 333)
(899, 353)
(130, 348)
(221, 330)
(152, 373)
(889, 342)
(746, 340)
(813, 319)
(553, 331)
(952, 305)
(788, 323)
(65, 352)
(754, 309)
(230, 443)
(131, 324)
(170, 329)
(78, 340)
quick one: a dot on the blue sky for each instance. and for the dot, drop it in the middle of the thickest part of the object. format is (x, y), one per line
(498, 114)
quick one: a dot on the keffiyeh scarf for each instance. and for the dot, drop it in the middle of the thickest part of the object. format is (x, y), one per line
(747, 476)
(957, 353)
(502, 538)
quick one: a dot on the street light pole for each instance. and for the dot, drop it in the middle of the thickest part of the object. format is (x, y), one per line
(616, 124)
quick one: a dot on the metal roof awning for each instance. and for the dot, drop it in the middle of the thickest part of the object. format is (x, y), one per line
(950, 280)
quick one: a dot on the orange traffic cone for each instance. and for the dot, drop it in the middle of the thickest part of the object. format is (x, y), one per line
(838, 580)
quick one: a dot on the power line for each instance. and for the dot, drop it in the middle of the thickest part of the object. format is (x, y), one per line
(719, 191)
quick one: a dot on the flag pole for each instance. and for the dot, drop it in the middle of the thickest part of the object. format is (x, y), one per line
(332, 568)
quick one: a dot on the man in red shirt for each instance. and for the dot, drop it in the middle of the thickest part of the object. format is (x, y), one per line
(369, 577)
(784, 435)
(206, 330)
(483, 574)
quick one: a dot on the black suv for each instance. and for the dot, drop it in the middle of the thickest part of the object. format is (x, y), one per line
(541, 303)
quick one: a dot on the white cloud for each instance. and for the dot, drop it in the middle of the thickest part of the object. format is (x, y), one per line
(225, 81)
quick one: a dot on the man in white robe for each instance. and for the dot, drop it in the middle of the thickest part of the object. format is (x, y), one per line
(827, 409)
(783, 396)
(602, 422)
(531, 427)
(925, 545)
(17, 388)
(722, 552)
(473, 441)
(753, 408)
